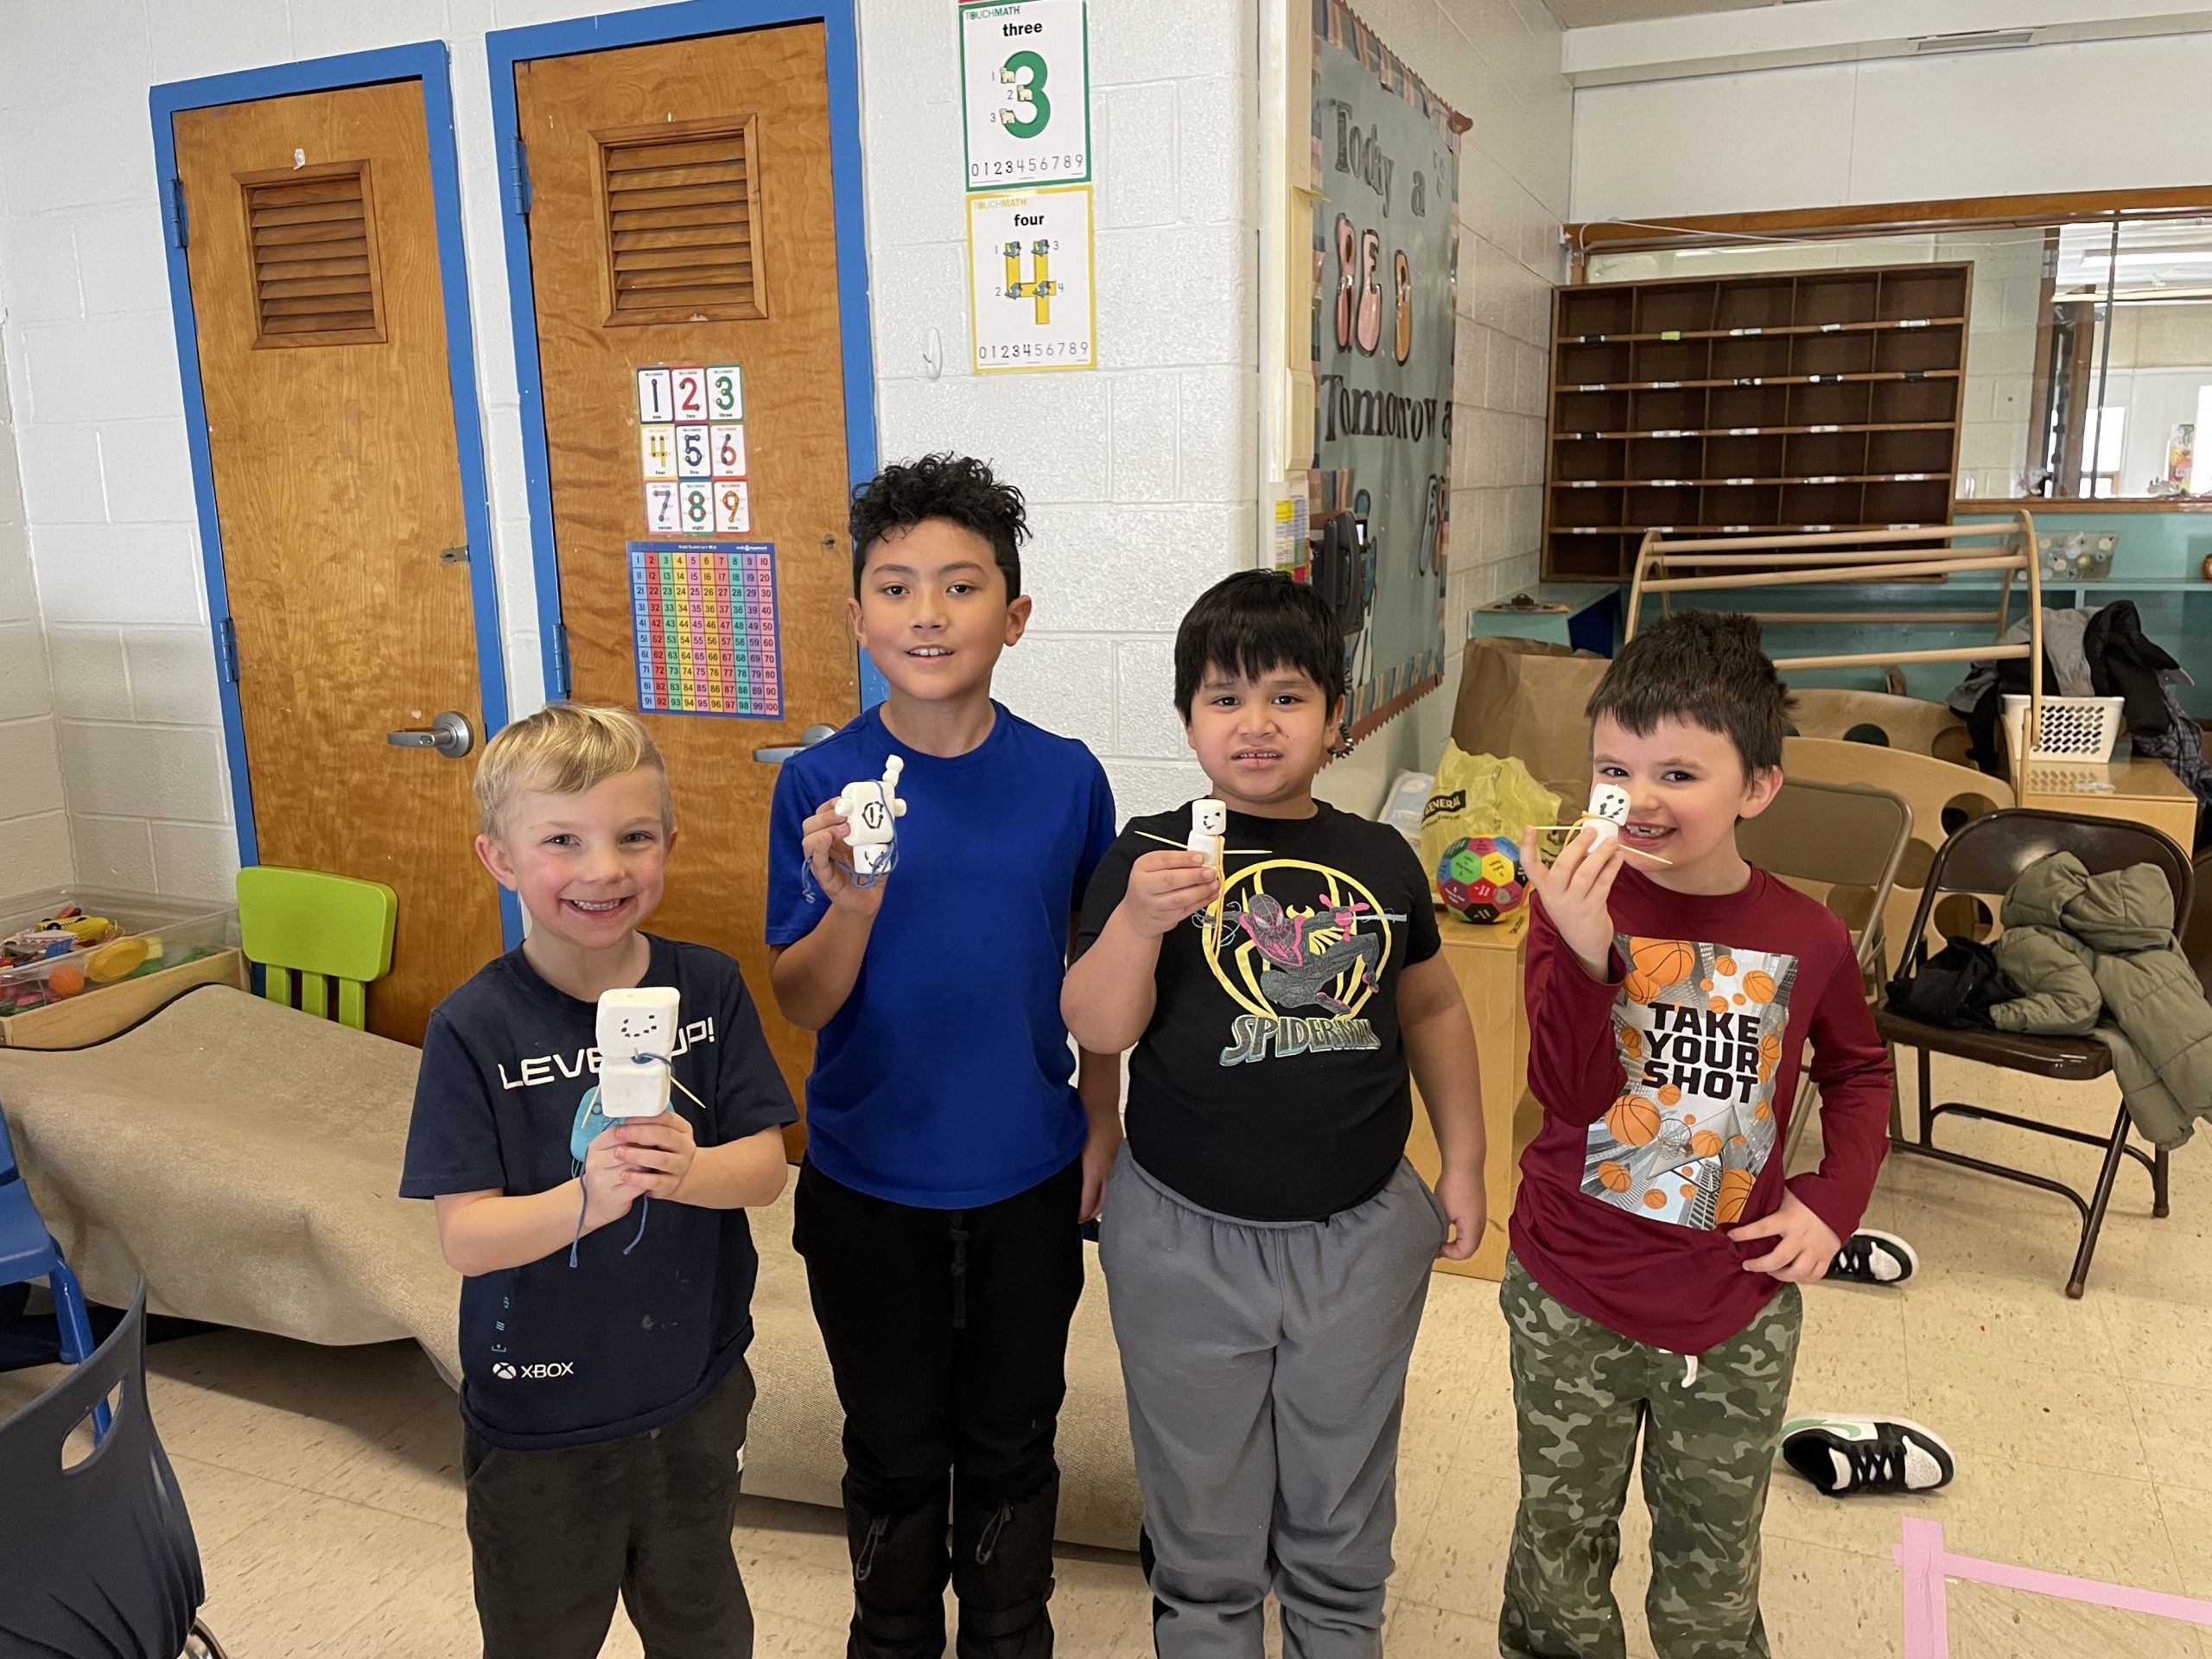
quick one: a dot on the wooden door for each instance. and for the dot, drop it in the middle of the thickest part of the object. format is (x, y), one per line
(680, 214)
(314, 258)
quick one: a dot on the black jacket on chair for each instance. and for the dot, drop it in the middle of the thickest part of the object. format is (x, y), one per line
(1957, 987)
(2124, 663)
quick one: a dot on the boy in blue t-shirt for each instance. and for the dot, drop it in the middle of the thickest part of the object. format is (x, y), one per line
(604, 1392)
(950, 1159)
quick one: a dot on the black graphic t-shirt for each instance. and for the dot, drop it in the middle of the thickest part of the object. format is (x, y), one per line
(620, 1342)
(1271, 1084)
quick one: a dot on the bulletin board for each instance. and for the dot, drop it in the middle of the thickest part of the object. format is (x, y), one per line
(1386, 219)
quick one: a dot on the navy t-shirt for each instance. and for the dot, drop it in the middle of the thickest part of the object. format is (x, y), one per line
(552, 1354)
(946, 1081)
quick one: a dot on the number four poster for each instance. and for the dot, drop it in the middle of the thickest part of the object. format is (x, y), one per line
(1386, 248)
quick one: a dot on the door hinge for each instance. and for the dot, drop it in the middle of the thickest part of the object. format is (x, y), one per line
(226, 650)
(562, 680)
(178, 229)
(518, 179)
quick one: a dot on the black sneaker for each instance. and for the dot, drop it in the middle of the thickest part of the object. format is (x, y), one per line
(1843, 1455)
(1873, 1258)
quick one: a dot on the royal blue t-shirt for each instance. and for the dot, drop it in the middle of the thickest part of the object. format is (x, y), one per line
(946, 1080)
(552, 1354)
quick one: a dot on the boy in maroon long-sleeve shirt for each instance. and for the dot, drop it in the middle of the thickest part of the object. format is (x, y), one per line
(1656, 1249)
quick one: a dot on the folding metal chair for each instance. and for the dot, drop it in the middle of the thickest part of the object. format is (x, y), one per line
(1984, 858)
(1845, 840)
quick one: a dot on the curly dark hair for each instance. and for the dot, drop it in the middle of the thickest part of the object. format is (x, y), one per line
(959, 488)
(1253, 623)
(1704, 667)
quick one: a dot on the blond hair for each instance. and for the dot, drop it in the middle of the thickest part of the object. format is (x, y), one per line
(564, 748)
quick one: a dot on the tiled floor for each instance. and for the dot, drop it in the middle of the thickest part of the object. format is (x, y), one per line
(324, 1489)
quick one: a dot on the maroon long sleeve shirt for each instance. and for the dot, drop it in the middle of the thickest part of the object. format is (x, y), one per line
(1667, 1089)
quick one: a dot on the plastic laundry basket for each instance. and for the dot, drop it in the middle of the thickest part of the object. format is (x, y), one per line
(2079, 730)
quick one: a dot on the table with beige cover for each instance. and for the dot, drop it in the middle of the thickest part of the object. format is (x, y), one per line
(245, 1159)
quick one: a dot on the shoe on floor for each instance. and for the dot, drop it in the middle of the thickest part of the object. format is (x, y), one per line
(1843, 1455)
(1874, 1258)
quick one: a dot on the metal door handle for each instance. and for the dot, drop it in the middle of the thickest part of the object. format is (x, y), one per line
(450, 735)
(807, 739)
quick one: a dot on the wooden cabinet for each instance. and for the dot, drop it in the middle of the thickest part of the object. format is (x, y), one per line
(1812, 400)
(2139, 790)
(1486, 961)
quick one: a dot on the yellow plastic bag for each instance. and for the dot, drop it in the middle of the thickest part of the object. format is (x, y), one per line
(1480, 795)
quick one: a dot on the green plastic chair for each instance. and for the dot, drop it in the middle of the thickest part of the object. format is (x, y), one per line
(321, 927)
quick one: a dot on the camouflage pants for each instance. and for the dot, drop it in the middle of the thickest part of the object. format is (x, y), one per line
(1582, 1393)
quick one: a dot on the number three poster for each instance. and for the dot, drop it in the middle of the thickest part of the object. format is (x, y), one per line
(1385, 247)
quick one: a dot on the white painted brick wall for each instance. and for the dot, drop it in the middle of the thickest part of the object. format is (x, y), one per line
(33, 828)
(1497, 63)
(1141, 473)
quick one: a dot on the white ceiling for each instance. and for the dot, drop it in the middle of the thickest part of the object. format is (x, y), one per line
(1582, 13)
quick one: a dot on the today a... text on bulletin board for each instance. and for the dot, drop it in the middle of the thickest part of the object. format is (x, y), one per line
(708, 636)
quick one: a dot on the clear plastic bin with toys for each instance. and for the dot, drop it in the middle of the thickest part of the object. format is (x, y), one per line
(76, 942)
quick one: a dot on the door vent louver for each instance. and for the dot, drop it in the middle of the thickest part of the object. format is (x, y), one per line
(682, 201)
(311, 235)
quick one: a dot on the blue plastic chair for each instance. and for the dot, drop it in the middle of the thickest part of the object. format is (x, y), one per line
(27, 1251)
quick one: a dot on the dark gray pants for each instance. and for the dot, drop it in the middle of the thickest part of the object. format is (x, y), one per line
(557, 1534)
(1266, 1368)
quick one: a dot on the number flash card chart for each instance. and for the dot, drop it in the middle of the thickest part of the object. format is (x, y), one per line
(1025, 92)
(705, 621)
(691, 450)
(1032, 303)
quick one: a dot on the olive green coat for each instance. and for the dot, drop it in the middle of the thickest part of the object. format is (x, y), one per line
(2097, 954)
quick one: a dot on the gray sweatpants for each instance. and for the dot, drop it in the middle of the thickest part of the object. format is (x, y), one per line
(1266, 1368)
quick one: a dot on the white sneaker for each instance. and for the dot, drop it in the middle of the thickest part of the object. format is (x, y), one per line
(1843, 1455)
(1869, 1257)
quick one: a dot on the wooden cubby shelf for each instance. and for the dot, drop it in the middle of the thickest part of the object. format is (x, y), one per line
(1751, 405)
(1763, 333)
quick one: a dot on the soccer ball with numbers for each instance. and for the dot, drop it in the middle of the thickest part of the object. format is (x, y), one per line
(1480, 880)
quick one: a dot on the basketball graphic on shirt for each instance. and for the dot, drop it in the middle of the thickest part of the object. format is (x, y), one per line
(1633, 1122)
(1655, 966)
(1735, 1192)
(1698, 1029)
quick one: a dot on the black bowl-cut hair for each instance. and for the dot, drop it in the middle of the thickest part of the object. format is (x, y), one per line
(1254, 623)
(1704, 667)
(959, 488)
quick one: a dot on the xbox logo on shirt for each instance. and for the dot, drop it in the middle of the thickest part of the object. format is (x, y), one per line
(502, 1369)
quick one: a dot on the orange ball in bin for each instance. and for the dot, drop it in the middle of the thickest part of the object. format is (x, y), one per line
(66, 981)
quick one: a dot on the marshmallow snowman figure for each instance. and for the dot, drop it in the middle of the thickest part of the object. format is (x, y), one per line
(871, 809)
(1608, 810)
(637, 1037)
(1209, 824)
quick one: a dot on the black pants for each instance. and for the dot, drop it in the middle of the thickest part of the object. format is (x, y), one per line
(948, 1333)
(556, 1534)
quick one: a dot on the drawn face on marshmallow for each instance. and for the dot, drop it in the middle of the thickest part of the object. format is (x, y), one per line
(1609, 802)
(1209, 817)
(636, 1023)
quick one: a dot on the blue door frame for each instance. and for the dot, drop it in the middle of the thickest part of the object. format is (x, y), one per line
(506, 48)
(424, 61)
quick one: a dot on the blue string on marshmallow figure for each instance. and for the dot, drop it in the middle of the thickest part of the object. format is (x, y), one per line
(584, 1134)
(806, 888)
